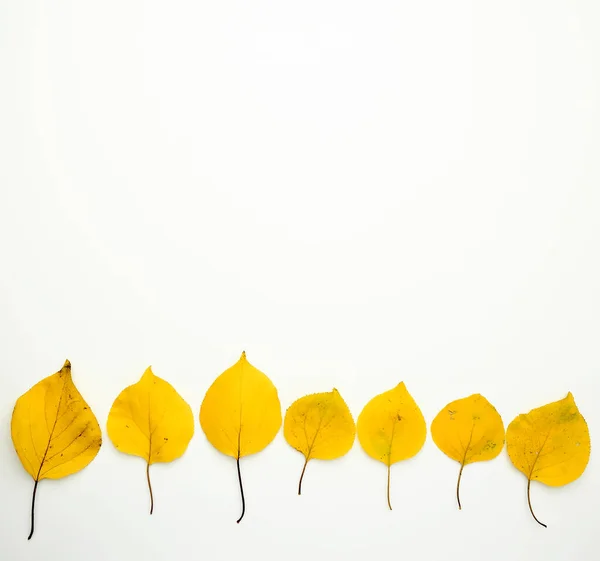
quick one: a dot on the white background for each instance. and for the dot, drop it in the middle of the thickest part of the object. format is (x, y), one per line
(356, 193)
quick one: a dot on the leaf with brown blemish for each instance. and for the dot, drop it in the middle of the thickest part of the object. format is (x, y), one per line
(54, 431)
(391, 428)
(468, 430)
(151, 420)
(320, 426)
(550, 444)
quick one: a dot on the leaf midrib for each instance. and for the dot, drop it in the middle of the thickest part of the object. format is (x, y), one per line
(62, 392)
(312, 444)
(538, 454)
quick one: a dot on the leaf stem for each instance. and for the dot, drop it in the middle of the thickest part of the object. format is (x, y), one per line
(241, 491)
(301, 477)
(529, 502)
(150, 487)
(388, 488)
(33, 508)
(462, 466)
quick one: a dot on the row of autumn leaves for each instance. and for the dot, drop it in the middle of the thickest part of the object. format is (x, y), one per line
(55, 433)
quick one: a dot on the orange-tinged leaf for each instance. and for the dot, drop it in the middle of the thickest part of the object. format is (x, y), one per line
(151, 420)
(550, 444)
(468, 430)
(391, 428)
(241, 413)
(320, 426)
(54, 431)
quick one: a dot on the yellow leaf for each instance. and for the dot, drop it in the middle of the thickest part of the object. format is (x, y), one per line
(53, 430)
(550, 444)
(468, 430)
(151, 420)
(391, 428)
(241, 413)
(320, 426)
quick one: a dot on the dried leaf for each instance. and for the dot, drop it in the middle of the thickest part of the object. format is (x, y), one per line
(550, 444)
(151, 420)
(391, 428)
(468, 430)
(241, 413)
(54, 431)
(320, 426)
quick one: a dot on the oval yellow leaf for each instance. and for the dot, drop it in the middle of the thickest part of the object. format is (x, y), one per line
(151, 420)
(241, 414)
(320, 426)
(550, 444)
(54, 431)
(391, 428)
(468, 430)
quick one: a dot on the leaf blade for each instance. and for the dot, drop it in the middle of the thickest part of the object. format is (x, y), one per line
(242, 397)
(54, 431)
(538, 440)
(151, 420)
(391, 426)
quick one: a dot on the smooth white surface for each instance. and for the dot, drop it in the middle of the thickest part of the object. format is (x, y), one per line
(356, 193)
